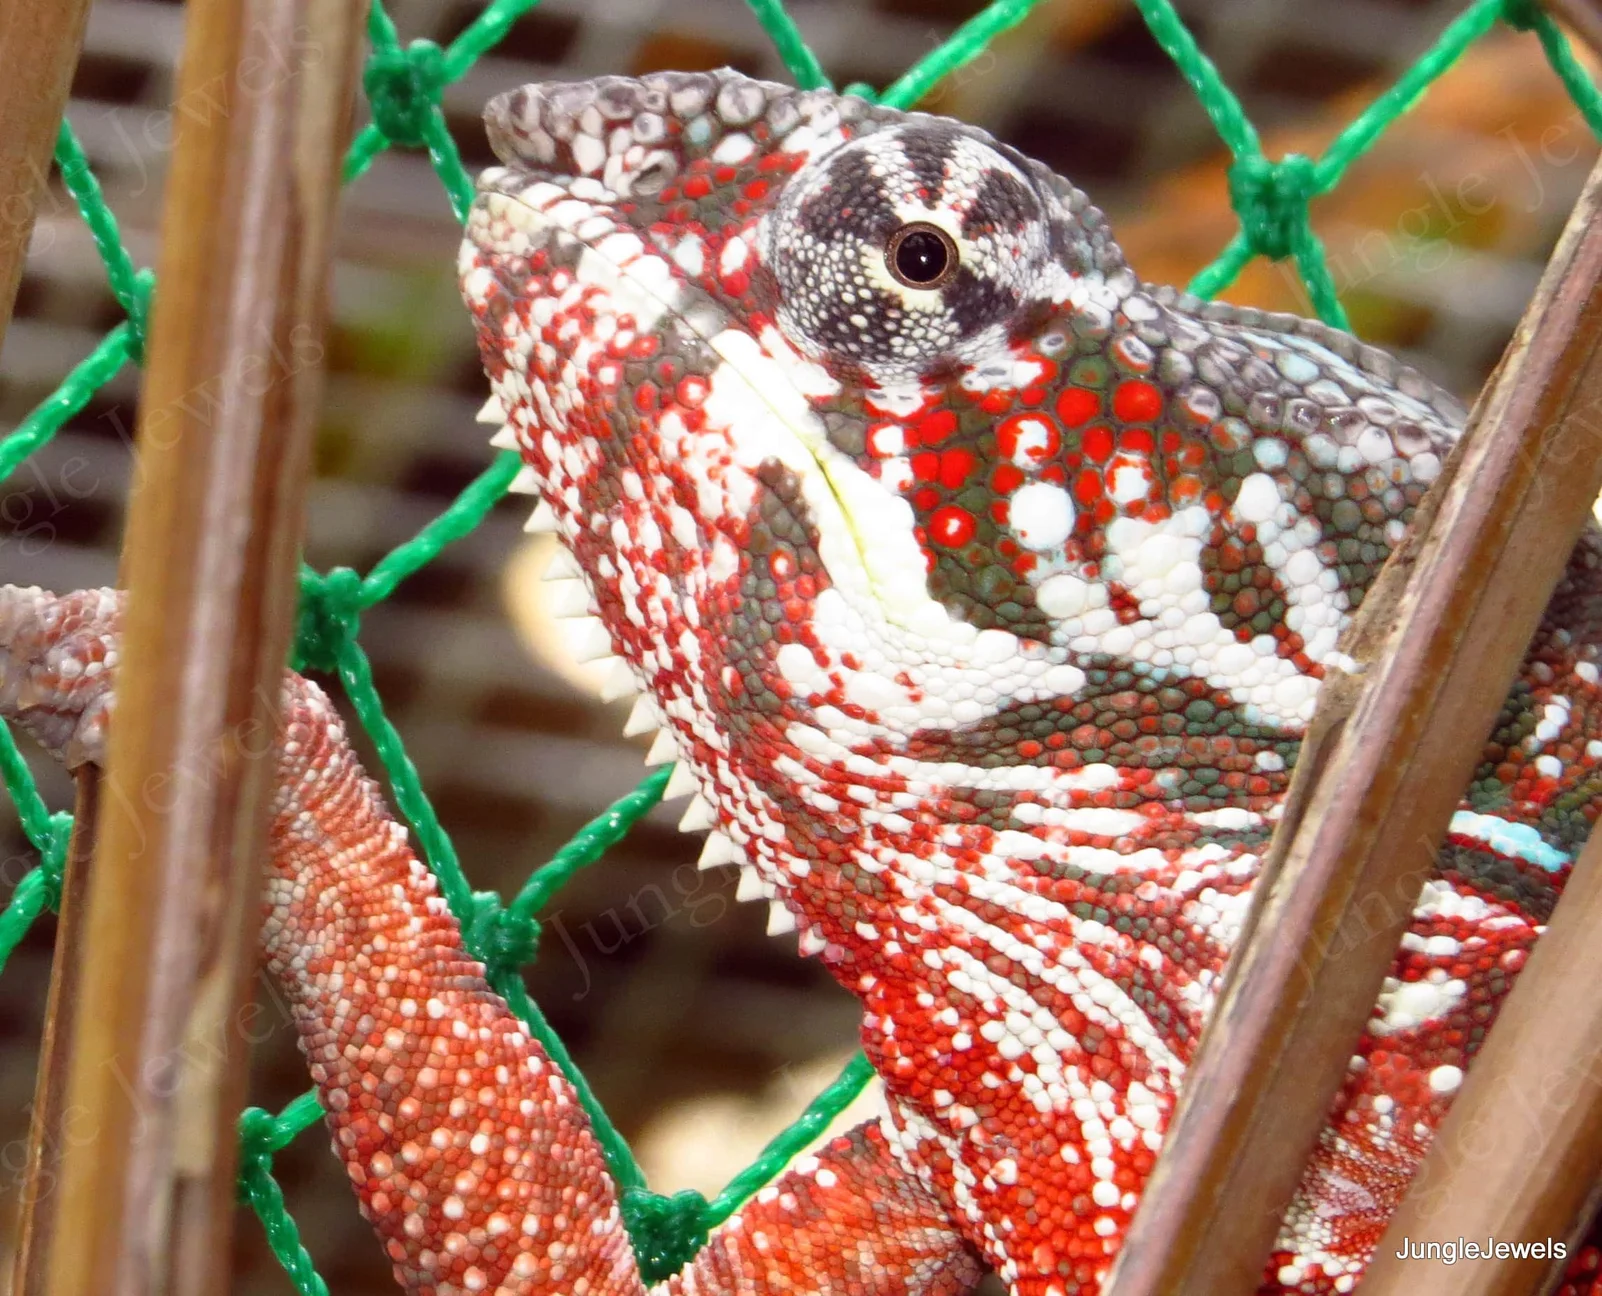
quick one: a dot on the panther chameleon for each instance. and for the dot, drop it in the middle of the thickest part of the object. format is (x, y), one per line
(982, 593)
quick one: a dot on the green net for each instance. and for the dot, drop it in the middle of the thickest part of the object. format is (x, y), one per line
(404, 84)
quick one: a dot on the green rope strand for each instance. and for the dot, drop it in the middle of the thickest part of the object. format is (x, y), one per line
(436, 847)
(1213, 278)
(1218, 101)
(129, 285)
(508, 983)
(296, 1118)
(40, 887)
(1576, 80)
(447, 162)
(368, 144)
(590, 842)
(32, 812)
(1308, 251)
(483, 34)
(461, 519)
(802, 63)
(964, 45)
(88, 376)
(31, 896)
(260, 1135)
(793, 1139)
(1359, 136)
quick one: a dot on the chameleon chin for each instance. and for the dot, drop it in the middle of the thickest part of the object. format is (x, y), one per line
(983, 592)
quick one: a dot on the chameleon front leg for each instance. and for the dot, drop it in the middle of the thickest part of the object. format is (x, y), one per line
(468, 1148)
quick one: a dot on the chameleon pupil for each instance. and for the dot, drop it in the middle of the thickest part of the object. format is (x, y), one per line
(921, 255)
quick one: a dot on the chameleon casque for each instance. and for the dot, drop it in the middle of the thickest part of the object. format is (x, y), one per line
(983, 592)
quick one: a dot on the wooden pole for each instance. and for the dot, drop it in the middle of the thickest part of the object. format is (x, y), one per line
(1519, 1156)
(39, 44)
(48, 1128)
(157, 1051)
(1390, 751)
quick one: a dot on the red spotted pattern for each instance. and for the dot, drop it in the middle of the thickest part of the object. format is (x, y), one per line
(991, 673)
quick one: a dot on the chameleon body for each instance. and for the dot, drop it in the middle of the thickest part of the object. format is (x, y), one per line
(983, 593)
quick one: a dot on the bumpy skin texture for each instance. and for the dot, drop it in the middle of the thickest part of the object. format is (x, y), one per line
(988, 617)
(985, 618)
(466, 1146)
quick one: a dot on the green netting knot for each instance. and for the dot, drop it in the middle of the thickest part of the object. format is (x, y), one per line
(138, 305)
(862, 90)
(1271, 200)
(330, 612)
(403, 86)
(258, 1134)
(53, 861)
(498, 937)
(1521, 15)
(666, 1231)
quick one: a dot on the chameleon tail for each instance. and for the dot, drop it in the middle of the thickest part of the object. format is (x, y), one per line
(468, 1149)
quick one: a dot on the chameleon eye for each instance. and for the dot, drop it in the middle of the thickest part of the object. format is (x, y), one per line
(921, 255)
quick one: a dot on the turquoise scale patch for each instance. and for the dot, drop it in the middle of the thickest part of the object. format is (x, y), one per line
(1515, 839)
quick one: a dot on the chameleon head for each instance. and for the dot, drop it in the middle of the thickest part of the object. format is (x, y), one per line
(770, 294)
(865, 439)
(982, 589)
(731, 325)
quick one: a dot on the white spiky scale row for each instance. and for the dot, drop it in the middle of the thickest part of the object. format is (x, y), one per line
(563, 566)
(619, 682)
(719, 848)
(571, 601)
(542, 521)
(680, 783)
(588, 639)
(663, 748)
(718, 851)
(697, 815)
(644, 718)
(570, 598)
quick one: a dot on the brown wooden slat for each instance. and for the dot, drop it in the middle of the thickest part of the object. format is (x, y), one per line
(1519, 1155)
(39, 45)
(47, 1128)
(1389, 753)
(157, 1063)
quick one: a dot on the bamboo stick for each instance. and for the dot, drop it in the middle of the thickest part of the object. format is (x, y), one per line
(1519, 1156)
(48, 1127)
(157, 1053)
(39, 45)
